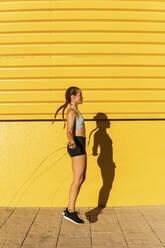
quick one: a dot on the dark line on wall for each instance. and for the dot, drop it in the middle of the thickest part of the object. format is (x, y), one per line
(91, 113)
(104, 42)
(85, 42)
(83, 65)
(83, 31)
(3, 1)
(83, 9)
(81, 20)
(94, 101)
(144, 0)
(84, 54)
(85, 89)
(86, 1)
(116, 119)
(87, 77)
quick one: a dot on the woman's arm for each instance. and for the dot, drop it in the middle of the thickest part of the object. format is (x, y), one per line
(71, 117)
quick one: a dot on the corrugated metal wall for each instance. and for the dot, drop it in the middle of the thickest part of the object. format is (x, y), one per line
(113, 50)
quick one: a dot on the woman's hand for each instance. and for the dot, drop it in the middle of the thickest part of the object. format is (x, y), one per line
(72, 145)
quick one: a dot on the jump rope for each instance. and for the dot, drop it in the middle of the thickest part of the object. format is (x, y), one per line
(35, 170)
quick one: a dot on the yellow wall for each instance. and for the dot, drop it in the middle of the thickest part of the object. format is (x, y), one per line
(113, 51)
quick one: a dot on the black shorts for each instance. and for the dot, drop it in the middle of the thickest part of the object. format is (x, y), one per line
(80, 146)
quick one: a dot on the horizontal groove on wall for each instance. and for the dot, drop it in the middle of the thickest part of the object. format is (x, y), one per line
(89, 42)
(87, 89)
(44, 66)
(82, 31)
(95, 102)
(50, 8)
(6, 1)
(88, 77)
(82, 20)
(47, 46)
(96, 54)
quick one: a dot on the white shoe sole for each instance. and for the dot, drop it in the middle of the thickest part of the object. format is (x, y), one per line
(71, 219)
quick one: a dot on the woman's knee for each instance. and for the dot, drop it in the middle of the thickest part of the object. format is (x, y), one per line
(83, 178)
(80, 179)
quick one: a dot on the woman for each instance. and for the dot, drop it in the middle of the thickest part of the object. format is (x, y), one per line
(76, 149)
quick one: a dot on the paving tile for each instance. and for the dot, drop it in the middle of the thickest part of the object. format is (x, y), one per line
(154, 214)
(108, 239)
(157, 225)
(129, 215)
(5, 213)
(45, 229)
(8, 243)
(75, 246)
(74, 239)
(99, 210)
(15, 228)
(138, 226)
(114, 227)
(107, 227)
(141, 237)
(68, 226)
(161, 235)
(144, 246)
(111, 246)
(103, 218)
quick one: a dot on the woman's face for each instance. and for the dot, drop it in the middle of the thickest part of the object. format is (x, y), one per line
(78, 97)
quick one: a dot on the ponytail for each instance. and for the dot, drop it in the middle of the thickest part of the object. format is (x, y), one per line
(70, 91)
(64, 107)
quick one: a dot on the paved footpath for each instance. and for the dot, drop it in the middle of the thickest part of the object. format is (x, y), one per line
(113, 227)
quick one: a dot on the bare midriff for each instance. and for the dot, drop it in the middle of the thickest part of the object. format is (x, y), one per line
(80, 132)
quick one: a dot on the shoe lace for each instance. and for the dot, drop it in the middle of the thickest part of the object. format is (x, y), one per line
(76, 212)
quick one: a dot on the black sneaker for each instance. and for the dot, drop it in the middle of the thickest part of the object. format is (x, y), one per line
(72, 216)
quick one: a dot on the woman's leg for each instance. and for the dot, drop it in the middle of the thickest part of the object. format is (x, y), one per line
(79, 164)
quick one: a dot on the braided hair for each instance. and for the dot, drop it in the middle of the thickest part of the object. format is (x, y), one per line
(70, 91)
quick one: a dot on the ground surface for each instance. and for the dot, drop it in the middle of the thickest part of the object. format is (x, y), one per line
(114, 227)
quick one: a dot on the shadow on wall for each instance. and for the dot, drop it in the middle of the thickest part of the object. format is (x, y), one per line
(104, 161)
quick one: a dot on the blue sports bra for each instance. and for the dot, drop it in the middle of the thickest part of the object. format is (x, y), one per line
(80, 121)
